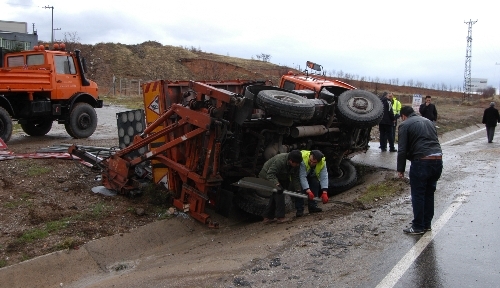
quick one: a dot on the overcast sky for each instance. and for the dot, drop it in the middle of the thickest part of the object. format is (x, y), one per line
(423, 41)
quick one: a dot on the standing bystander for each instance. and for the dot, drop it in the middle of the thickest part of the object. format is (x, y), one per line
(386, 124)
(428, 110)
(418, 142)
(396, 109)
(490, 119)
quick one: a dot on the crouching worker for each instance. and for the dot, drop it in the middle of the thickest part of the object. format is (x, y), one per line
(283, 171)
(313, 175)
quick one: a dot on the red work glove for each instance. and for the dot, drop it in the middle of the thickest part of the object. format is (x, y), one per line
(324, 197)
(310, 194)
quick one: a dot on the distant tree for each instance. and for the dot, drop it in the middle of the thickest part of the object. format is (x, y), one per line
(487, 92)
(410, 82)
(263, 57)
(71, 40)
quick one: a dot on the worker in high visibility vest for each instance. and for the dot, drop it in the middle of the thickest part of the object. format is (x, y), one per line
(313, 175)
(396, 109)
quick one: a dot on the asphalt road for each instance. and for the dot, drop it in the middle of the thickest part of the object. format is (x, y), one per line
(462, 250)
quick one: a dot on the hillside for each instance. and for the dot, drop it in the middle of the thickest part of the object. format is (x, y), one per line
(152, 61)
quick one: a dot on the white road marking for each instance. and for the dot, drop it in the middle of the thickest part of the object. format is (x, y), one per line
(461, 137)
(397, 272)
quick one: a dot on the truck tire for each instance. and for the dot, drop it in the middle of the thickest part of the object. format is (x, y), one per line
(345, 180)
(359, 108)
(82, 121)
(285, 104)
(37, 127)
(5, 125)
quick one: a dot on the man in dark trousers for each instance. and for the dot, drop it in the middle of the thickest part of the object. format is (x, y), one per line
(386, 125)
(428, 110)
(418, 142)
(283, 171)
(490, 119)
(313, 175)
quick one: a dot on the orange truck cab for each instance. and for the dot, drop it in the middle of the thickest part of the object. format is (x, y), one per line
(40, 86)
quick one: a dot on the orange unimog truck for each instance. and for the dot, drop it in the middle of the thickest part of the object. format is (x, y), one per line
(39, 86)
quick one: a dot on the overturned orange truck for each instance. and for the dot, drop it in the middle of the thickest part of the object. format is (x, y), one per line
(40, 86)
(204, 136)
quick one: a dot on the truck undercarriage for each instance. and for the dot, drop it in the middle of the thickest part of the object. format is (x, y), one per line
(201, 137)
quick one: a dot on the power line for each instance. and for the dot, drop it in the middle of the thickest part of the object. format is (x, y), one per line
(468, 54)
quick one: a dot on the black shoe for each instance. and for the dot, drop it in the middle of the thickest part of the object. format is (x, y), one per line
(413, 231)
(383, 150)
(299, 214)
(393, 150)
(428, 229)
(314, 209)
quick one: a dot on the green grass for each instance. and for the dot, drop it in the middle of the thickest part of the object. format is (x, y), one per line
(380, 190)
(24, 199)
(3, 263)
(99, 210)
(131, 102)
(68, 243)
(36, 170)
(32, 235)
(40, 233)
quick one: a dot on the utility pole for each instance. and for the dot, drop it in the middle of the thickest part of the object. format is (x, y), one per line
(468, 55)
(52, 29)
(55, 33)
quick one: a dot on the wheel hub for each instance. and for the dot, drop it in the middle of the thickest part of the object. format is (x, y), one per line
(360, 105)
(84, 121)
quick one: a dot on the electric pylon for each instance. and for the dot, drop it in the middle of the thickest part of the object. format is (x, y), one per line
(468, 55)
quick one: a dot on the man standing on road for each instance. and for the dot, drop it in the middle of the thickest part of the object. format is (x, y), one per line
(428, 110)
(283, 171)
(418, 142)
(386, 124)
(313, 178)
(490, 119)
(396, 109)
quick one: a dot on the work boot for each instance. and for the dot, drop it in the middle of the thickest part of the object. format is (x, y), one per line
(299, 213)
(315, 209)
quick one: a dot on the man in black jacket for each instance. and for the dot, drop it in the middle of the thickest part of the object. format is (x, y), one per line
(428, 110)
(418, 142)
(386, 125)
(490, 119)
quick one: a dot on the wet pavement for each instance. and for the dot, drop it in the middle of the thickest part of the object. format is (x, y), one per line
(462, 250)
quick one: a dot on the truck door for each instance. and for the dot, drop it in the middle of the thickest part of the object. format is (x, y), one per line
(67, 81)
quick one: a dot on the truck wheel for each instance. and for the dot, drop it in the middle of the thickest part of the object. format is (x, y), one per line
(5, 125)
(359, 108)
(82, 121)
(37, 127)
(285, 104)
(343, 179)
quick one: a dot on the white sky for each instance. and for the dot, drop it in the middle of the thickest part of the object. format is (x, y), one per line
(423, 40)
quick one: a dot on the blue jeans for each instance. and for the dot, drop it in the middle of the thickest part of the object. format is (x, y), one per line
(424, 175)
